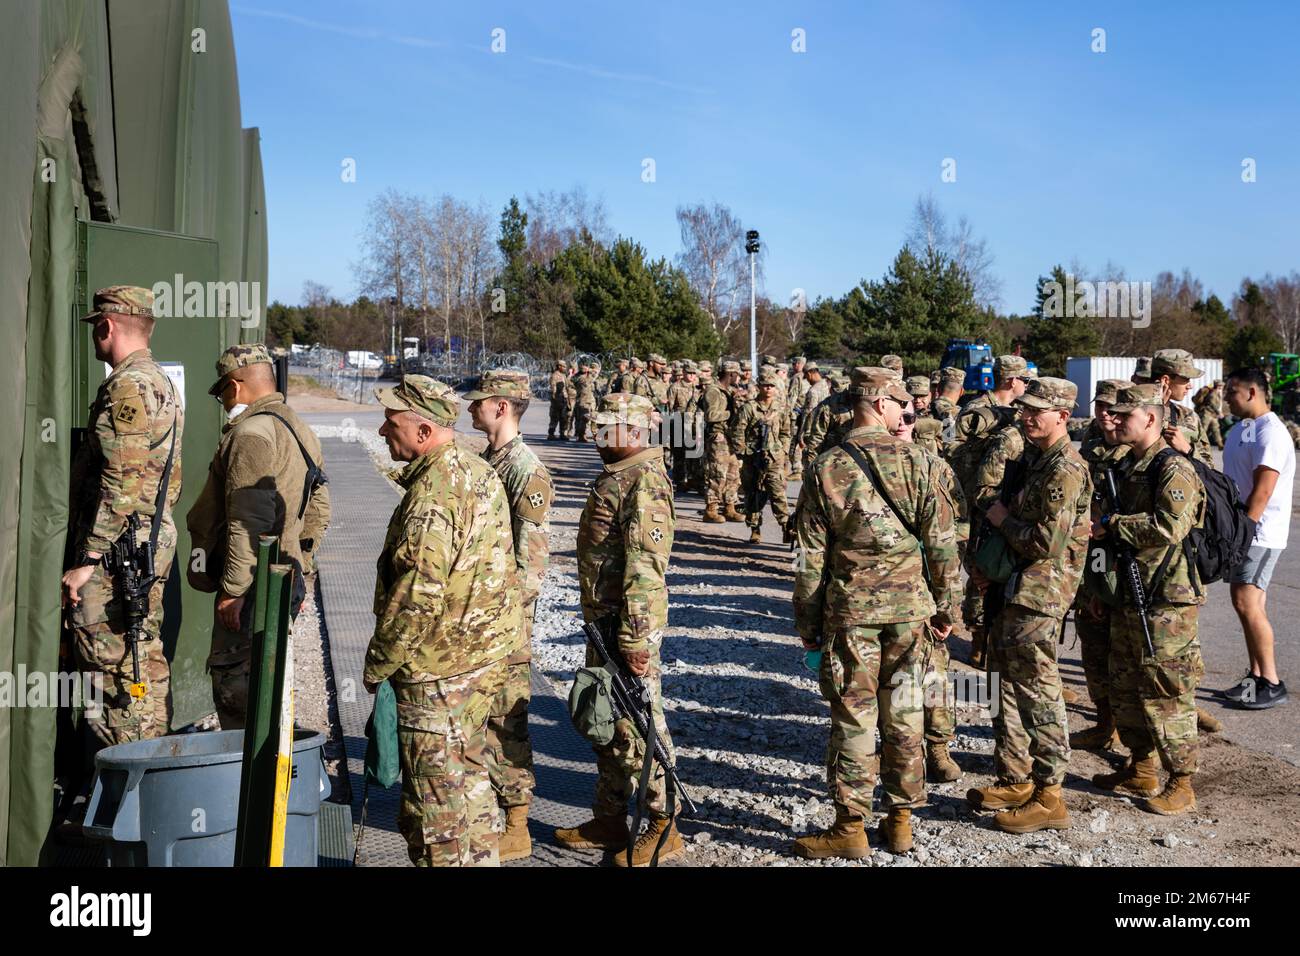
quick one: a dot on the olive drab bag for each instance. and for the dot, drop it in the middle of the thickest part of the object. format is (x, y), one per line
(591, 705)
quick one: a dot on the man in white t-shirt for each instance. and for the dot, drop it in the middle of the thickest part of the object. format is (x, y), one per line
(1259, 456)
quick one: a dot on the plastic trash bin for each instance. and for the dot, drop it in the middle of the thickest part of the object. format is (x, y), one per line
(174, 801)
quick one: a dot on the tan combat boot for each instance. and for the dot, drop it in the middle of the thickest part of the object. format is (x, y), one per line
(846, 839)
(600, 833)
(896, 830)
(755, 536)
(1139, 777)
(711, 515)
(643, 850)
(1046, 811)
(1207, 722)
(515, 843)
(978, 647)
(1176, 798)
(939, 765)
(731, 514)
(1000, 796)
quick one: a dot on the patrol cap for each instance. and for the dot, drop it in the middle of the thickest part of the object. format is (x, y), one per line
(690, 368)
(768, 377)
(501, 383)
(798, 359)
(935, 378)
(706, 366)
(1007, 367)
(657, 359)
(894, 362)
(560, 363)
(620, 361)
(1174, 362)
(769, 360)
(745, 365)
(1142, 373)
(730, 365)
(953, 375)
(868, 381)
(1135, 396)
(237, 357)
(121, 300)
(1049, 392)
(425, 396)
(624, 408)
(1108, 390)
(918, 385)
(811, 366)
(637, 363)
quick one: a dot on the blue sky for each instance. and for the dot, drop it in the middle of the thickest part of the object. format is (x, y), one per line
(1133, 155)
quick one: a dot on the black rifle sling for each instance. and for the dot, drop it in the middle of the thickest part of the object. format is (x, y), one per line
(160, 499)
(869, 469)
(313, 469)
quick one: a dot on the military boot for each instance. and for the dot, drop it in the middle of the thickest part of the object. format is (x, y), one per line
(711, 515)
(939, 765)
(1138, 777)
(1207, 722)
(515, 843)
(643, 850)
(1176, 798)
(1000, 796)
(978, 646)
(896, 830)
(755, 536)
(1046, 811)
(1102, 737)
(600, 833)
(846, 839)
(731, 514)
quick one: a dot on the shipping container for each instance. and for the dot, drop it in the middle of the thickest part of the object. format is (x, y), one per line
(1086, 372)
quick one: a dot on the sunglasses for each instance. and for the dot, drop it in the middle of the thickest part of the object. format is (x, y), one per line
(909, 418)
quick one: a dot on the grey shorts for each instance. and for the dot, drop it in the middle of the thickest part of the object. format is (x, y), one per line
(1258, 567)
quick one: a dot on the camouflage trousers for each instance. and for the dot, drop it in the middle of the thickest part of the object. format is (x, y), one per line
(873, 676)
(1210, 428)
(619, 765)
(1030, 729)
(229, 665)
(1094, 649)
(972, 605)
(561, 418)
(509, 748)
(1154, 699)
(731, 488)
(582, 421)
(771, 480)
(717, 466)
(940, 701)
(448, 814)
(112, 714)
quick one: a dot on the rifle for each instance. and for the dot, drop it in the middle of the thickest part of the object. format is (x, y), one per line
(130, 564)
(1129, 568)
(759, 459)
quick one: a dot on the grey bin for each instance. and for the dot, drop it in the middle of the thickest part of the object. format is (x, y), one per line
(174, 801)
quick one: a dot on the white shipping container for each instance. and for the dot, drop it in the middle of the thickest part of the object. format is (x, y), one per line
(1085, 373)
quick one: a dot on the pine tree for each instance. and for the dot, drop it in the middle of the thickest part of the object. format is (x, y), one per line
(1052, 337)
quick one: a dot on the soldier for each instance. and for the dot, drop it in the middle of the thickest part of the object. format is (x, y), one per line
(617, 377)
(1043, 516)
(585, 405)
(826, 425)
(259, 483)
(1173, 370)
(495, 409)
(683, 403)
(716, 403)
(745, 387)
(1153, 697)
(944, 407)
(894, 363)
(128, 464)
(1101, 449)
(918, 386)
(1210, 409)
(625, 536)
(741, 391)
(764, 455)
(448, 616)
(559, 386)
(1141, 372)
(876, 586)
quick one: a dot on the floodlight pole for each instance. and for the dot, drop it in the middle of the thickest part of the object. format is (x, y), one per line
(751, 246)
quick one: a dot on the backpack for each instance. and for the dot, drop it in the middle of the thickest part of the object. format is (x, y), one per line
(1223, 540)
(975, 429)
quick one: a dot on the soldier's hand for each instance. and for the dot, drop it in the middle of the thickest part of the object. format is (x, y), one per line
(1176, 439)
(1098, 530)
(939, 631)
(638, 662)
(997, 513)
(809, 645)
(370, 688)
(74, 581)
(228, 611)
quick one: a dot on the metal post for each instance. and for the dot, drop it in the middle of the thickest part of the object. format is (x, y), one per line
(753, 322)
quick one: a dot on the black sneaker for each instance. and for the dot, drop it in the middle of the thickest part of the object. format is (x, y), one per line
(1266, 695)
(1246, 686)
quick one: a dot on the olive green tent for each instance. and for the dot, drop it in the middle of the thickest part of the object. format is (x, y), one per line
(124, 161)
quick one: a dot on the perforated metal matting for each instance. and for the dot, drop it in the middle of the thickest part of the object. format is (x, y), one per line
(361, 502)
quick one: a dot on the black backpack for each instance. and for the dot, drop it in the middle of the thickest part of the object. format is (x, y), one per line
(1223, 541)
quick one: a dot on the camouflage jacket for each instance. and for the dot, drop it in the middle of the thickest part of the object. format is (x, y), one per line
(1005, 447)
(1048, 527)
(943, 409)
(826, 426)
(658, 392)
(254, 487)
(638, 383)
(625, 536)
(117, 470)
(1156, 524)
(682, 398)
(585, 383)
(973, 430)
(815, 394)
(530, 493)
(447, 598)
(747, 430)
(928, 433)
(1189, 422)
(858, 566)
(559, 387)
(715, 402)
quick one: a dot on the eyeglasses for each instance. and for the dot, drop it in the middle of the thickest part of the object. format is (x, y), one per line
(222, 390)
(909, 418)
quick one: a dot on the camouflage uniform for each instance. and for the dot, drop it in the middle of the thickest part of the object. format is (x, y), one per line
(561, 402)
(625, 535)
(116, 474)
(1048, 530)
(716, 404)
(826, 425)
(529, 491)
(859, 593)
(1153, 700)
(448, 616)
(1180, 362)
(1209, 407)
(255, 486)
(740, 394)
(683, 406)
(795, 393)
(585, 384)
(771, 474)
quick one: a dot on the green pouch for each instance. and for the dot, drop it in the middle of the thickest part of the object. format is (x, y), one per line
(995, 558)
(1100, 577)
(591, 705)
(382, 763)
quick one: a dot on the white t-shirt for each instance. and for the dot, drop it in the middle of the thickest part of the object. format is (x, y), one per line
(1263, 441)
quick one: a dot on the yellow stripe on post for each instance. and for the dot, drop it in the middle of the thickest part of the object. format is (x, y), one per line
(283, 762)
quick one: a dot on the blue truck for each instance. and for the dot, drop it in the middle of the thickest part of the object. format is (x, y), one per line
(976, 357)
